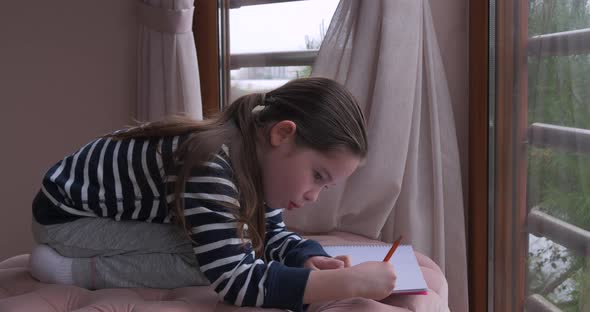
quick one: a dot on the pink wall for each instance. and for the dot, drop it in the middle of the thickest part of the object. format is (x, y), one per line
(67, 74)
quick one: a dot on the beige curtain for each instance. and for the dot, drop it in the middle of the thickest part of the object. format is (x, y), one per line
(386, 53)
(168, 73)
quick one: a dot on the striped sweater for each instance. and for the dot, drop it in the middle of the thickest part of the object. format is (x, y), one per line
(132, 179)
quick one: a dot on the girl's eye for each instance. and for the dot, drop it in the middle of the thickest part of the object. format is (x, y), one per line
(317, 176)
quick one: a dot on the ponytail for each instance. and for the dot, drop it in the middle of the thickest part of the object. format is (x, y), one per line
(235, 127)
(327, 116)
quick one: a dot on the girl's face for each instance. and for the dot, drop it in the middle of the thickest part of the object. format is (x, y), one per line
(293, 176)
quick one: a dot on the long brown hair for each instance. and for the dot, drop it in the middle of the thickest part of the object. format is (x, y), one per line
(327, 118)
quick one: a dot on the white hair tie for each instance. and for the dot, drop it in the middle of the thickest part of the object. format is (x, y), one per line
(261, 106)
(257, 109)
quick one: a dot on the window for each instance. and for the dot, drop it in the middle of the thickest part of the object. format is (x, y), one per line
(272, 43)
(540, 155)
(254, 45)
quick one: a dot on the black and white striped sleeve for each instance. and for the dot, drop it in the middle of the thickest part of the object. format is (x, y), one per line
(287, 247)
(228, 262)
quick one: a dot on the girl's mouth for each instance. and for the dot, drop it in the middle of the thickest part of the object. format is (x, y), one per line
(292, 205)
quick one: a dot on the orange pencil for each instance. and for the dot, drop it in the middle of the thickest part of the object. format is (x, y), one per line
(392, 249)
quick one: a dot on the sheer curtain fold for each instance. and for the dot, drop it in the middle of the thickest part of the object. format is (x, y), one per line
(386, 53)
(168, 73)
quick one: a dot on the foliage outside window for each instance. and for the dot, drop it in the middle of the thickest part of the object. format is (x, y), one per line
(558, 182)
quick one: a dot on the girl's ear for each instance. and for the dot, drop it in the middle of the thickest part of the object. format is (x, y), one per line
(282, 131)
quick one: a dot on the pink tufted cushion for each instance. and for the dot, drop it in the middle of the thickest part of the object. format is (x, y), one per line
(21, 292)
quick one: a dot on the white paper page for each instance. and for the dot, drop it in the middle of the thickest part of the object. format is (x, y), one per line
(409, 276)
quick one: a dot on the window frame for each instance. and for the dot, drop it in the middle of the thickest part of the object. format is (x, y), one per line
(510, 221)
(477, 198)
(510, 237)
(210, 55)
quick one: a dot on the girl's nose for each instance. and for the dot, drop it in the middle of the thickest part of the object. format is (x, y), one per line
(312, 195)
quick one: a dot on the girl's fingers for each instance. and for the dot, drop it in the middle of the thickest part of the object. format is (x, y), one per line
(345, 260)
(324, 263)
(330, 263)
(309, 264)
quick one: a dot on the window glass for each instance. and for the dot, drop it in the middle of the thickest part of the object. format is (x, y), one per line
(558, 182)
(279, 27)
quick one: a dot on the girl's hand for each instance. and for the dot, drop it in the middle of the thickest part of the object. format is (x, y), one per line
(373, 280)
(327, 263)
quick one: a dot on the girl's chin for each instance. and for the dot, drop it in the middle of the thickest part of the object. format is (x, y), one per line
(272, 206)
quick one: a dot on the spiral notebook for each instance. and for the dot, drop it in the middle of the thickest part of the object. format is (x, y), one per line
(410, 280)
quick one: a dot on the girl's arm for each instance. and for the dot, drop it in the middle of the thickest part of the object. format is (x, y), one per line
(227, 261)
(373, 280)
(287, 247)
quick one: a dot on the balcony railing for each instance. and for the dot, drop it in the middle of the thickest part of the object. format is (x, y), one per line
(234, 4)
(269, 59)
(539, 304)
(557, 44)
(541, 224)
(560, 138)
(562, 43)
(559, 231)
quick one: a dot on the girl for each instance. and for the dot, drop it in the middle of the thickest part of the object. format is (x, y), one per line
(103, 215)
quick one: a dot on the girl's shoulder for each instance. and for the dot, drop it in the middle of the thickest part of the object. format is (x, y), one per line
(222, 159)
(218, 165)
